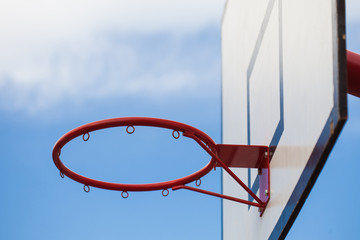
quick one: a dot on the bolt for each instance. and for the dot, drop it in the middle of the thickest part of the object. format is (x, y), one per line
(266, 193)
(332, 127)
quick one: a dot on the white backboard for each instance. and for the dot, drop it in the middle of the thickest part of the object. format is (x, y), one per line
(283, 86)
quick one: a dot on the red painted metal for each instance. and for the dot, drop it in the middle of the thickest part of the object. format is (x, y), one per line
(264, 181)
(242, 156)
(254, 157)
(132, 122)
(353, 73)
(225, 167)
(217, 195)
(223, 155)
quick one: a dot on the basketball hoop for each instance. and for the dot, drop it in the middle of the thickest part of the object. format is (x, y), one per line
(261, 160)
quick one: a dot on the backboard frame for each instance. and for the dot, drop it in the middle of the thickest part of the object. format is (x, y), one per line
(329, 133)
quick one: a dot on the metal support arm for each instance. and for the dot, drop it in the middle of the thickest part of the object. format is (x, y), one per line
(239, 156)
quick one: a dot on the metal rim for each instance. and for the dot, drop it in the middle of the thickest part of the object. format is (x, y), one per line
(189, 131)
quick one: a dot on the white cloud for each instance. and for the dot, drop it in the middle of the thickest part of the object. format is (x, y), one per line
(53, 50)
(101, 70)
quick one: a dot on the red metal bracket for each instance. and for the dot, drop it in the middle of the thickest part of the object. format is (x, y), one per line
(246, 156)
(243, 156)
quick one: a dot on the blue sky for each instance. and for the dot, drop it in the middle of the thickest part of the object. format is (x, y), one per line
(64, 64)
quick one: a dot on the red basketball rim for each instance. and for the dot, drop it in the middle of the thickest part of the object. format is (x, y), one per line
(130, 122)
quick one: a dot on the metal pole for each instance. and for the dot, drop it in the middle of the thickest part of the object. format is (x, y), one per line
(353, 73)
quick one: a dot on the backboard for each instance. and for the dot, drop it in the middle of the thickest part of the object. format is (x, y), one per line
(283, 86)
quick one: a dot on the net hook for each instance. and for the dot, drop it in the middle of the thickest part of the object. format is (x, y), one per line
(165, 192)
(125, 194)
(130, 131)
(176, 134)
(86, 188)
(87, 136)
(198, 182)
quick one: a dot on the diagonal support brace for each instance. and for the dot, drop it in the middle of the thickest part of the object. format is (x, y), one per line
(242, 156)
